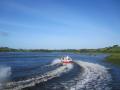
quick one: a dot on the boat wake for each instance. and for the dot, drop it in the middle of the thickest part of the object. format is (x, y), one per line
(93, 77)
(38, 79)
(84, 76)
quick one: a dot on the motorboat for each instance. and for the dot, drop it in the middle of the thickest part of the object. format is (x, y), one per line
(66, 60)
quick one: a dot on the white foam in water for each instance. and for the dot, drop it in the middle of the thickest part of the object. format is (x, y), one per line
(94, 77)
(56, 61)
(38, 79)
(5, 72)
(61, 70)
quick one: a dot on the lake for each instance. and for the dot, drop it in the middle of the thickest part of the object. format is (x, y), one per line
(41, 71)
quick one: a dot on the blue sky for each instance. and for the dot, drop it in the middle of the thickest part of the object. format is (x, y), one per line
(59, 24)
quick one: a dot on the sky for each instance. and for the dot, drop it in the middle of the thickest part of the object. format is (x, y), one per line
(59, 24)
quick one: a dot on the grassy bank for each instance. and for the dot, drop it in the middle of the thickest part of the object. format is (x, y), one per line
(114, 58)
(114, 52)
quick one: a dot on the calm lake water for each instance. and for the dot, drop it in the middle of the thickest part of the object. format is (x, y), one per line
(41, 71)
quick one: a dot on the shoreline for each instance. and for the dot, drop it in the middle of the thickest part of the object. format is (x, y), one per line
(113, 58)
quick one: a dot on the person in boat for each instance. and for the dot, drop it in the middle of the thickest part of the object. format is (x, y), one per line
(66, 60)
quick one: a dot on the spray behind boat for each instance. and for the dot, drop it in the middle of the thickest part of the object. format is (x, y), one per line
(66, 60)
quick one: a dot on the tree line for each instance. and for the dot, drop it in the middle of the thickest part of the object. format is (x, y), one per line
(111, 49)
